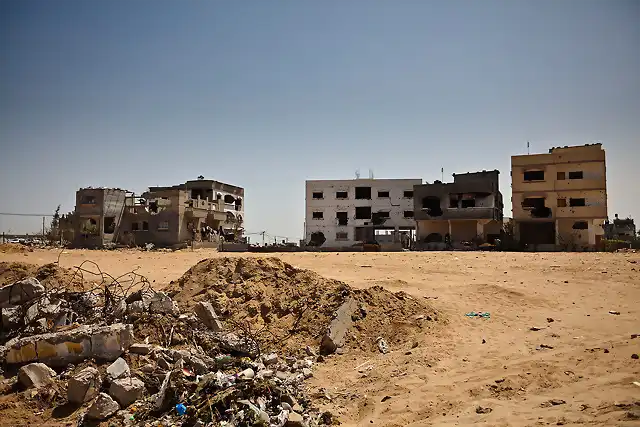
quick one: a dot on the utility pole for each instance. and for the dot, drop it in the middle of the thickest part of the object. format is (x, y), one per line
(263, 237)
(43, 228)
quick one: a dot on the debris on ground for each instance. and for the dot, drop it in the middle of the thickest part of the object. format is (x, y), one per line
(483, 410)
(482, 314)
(231, 343)
(617, 313)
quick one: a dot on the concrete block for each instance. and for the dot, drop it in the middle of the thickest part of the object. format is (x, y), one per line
(337, 331)
(118, 369)
(126, 390)
(161, 303)
(208, 316)
(84, 385)
(20, 292)
(72, 346)
(103, 407)
(140, 348)
(36, 375)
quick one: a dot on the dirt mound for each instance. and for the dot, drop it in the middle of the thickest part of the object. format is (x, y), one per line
(14, 248)
(50, 275)
(286, 308)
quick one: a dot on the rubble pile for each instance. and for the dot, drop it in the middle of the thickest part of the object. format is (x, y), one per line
(229, 344)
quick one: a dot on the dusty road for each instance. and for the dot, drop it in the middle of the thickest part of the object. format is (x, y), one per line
(582, 359)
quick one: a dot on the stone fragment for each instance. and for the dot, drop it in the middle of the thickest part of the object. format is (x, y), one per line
(103, 407)
(160, 399)
(247, 374)
(71, 346)
(336, 333)
(270, 359)
(36, 375)
(161, 303)
(84, 385)
(120, 309)
(20, 292)
(141, 348)
(295, 420)
(483, 410)
(11, 318)
(233, 343)
(118, 369)
(126, 390)
(208, 316)
(136, 307)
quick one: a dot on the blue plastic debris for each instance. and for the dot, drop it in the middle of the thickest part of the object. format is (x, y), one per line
(181, 409)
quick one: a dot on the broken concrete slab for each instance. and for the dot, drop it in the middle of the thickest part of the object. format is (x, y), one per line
(236, 344)
(72, 346)
(295, 420)
(20, 292)
(163, 304)
(337, 331)
(11, 318)
(84, 385)
(141, 348)
(103, 407)
(208, 316)
(118, 369)
(120, 309)
(126, 390)
(36, 375)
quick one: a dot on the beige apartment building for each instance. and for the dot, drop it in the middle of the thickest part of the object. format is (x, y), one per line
(560, 198)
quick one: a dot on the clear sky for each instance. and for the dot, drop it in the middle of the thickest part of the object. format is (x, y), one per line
(266, 94)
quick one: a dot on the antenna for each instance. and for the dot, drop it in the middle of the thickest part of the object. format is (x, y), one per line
(357, 173)
(528, 147)
(442, 174)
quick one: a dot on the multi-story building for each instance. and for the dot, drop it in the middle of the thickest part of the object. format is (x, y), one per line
(469, 209)
(341, 213)
(560, 198)
(620, 229)
(98, 216)
(165, 216)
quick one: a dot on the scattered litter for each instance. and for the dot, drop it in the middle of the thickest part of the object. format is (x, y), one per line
(483, 314)
(382, 345)
(536, 328)
(181, 409)
(384, 399)
(617, 313)
(636, 383)
(550, 319)
(634, 356)
(482, 410)
(553, 402)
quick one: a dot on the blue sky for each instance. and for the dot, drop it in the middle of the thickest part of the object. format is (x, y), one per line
(266, 94)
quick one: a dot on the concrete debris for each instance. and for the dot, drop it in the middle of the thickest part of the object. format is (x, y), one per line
(382, 345)
(103, 407)
(20, 292)
(84, 385)
(236, 344)
(120, 309)
(61, 348)
(162, 304)
(208, 316)
(126, 390)
(295, 420)
(118, 369)
(140, 348)
(11, 318)
(36, 375)
(337, 331)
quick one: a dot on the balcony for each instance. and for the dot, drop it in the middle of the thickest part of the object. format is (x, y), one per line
(460, 213)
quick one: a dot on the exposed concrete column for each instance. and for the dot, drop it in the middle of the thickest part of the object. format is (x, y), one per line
(480, 229)
(557, 226)
(450, 235)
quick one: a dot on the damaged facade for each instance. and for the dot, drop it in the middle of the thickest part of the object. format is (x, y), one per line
(560, 198)
(620, 229)
(341, 213)
(196, 211)
(469, 209)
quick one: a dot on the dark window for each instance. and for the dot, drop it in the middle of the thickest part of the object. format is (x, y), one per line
(562, 203)
(318, 195)
(318, 215)
(363, 212)
(88, 200)
(145, 226)
(383, 194)
(453, 202)
(342, 235)
(228, 198)
(135, 226)
(534, 176)
(163, 225)
(561, 176)
(533, 202)
(153, 207)
(383, 214)
(575, 175)
(580, 225)
(577, 202)
(342, 195)
(109, 224)
(342, 218)
(363, 193)
(468, 203)
(408, 194)
(408, 214)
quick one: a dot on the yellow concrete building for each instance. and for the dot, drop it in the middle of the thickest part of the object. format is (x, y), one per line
(560, 198)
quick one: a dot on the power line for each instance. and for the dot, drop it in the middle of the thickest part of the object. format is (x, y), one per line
(24, 214)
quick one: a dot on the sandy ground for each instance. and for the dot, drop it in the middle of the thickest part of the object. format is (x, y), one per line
(496, 364)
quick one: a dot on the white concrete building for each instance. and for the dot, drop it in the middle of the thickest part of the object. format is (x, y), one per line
(344, 211)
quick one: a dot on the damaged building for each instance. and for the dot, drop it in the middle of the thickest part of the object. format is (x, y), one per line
(197, 211)
(620, 229)
(560, 198)
(343, 213)
(466, 211)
